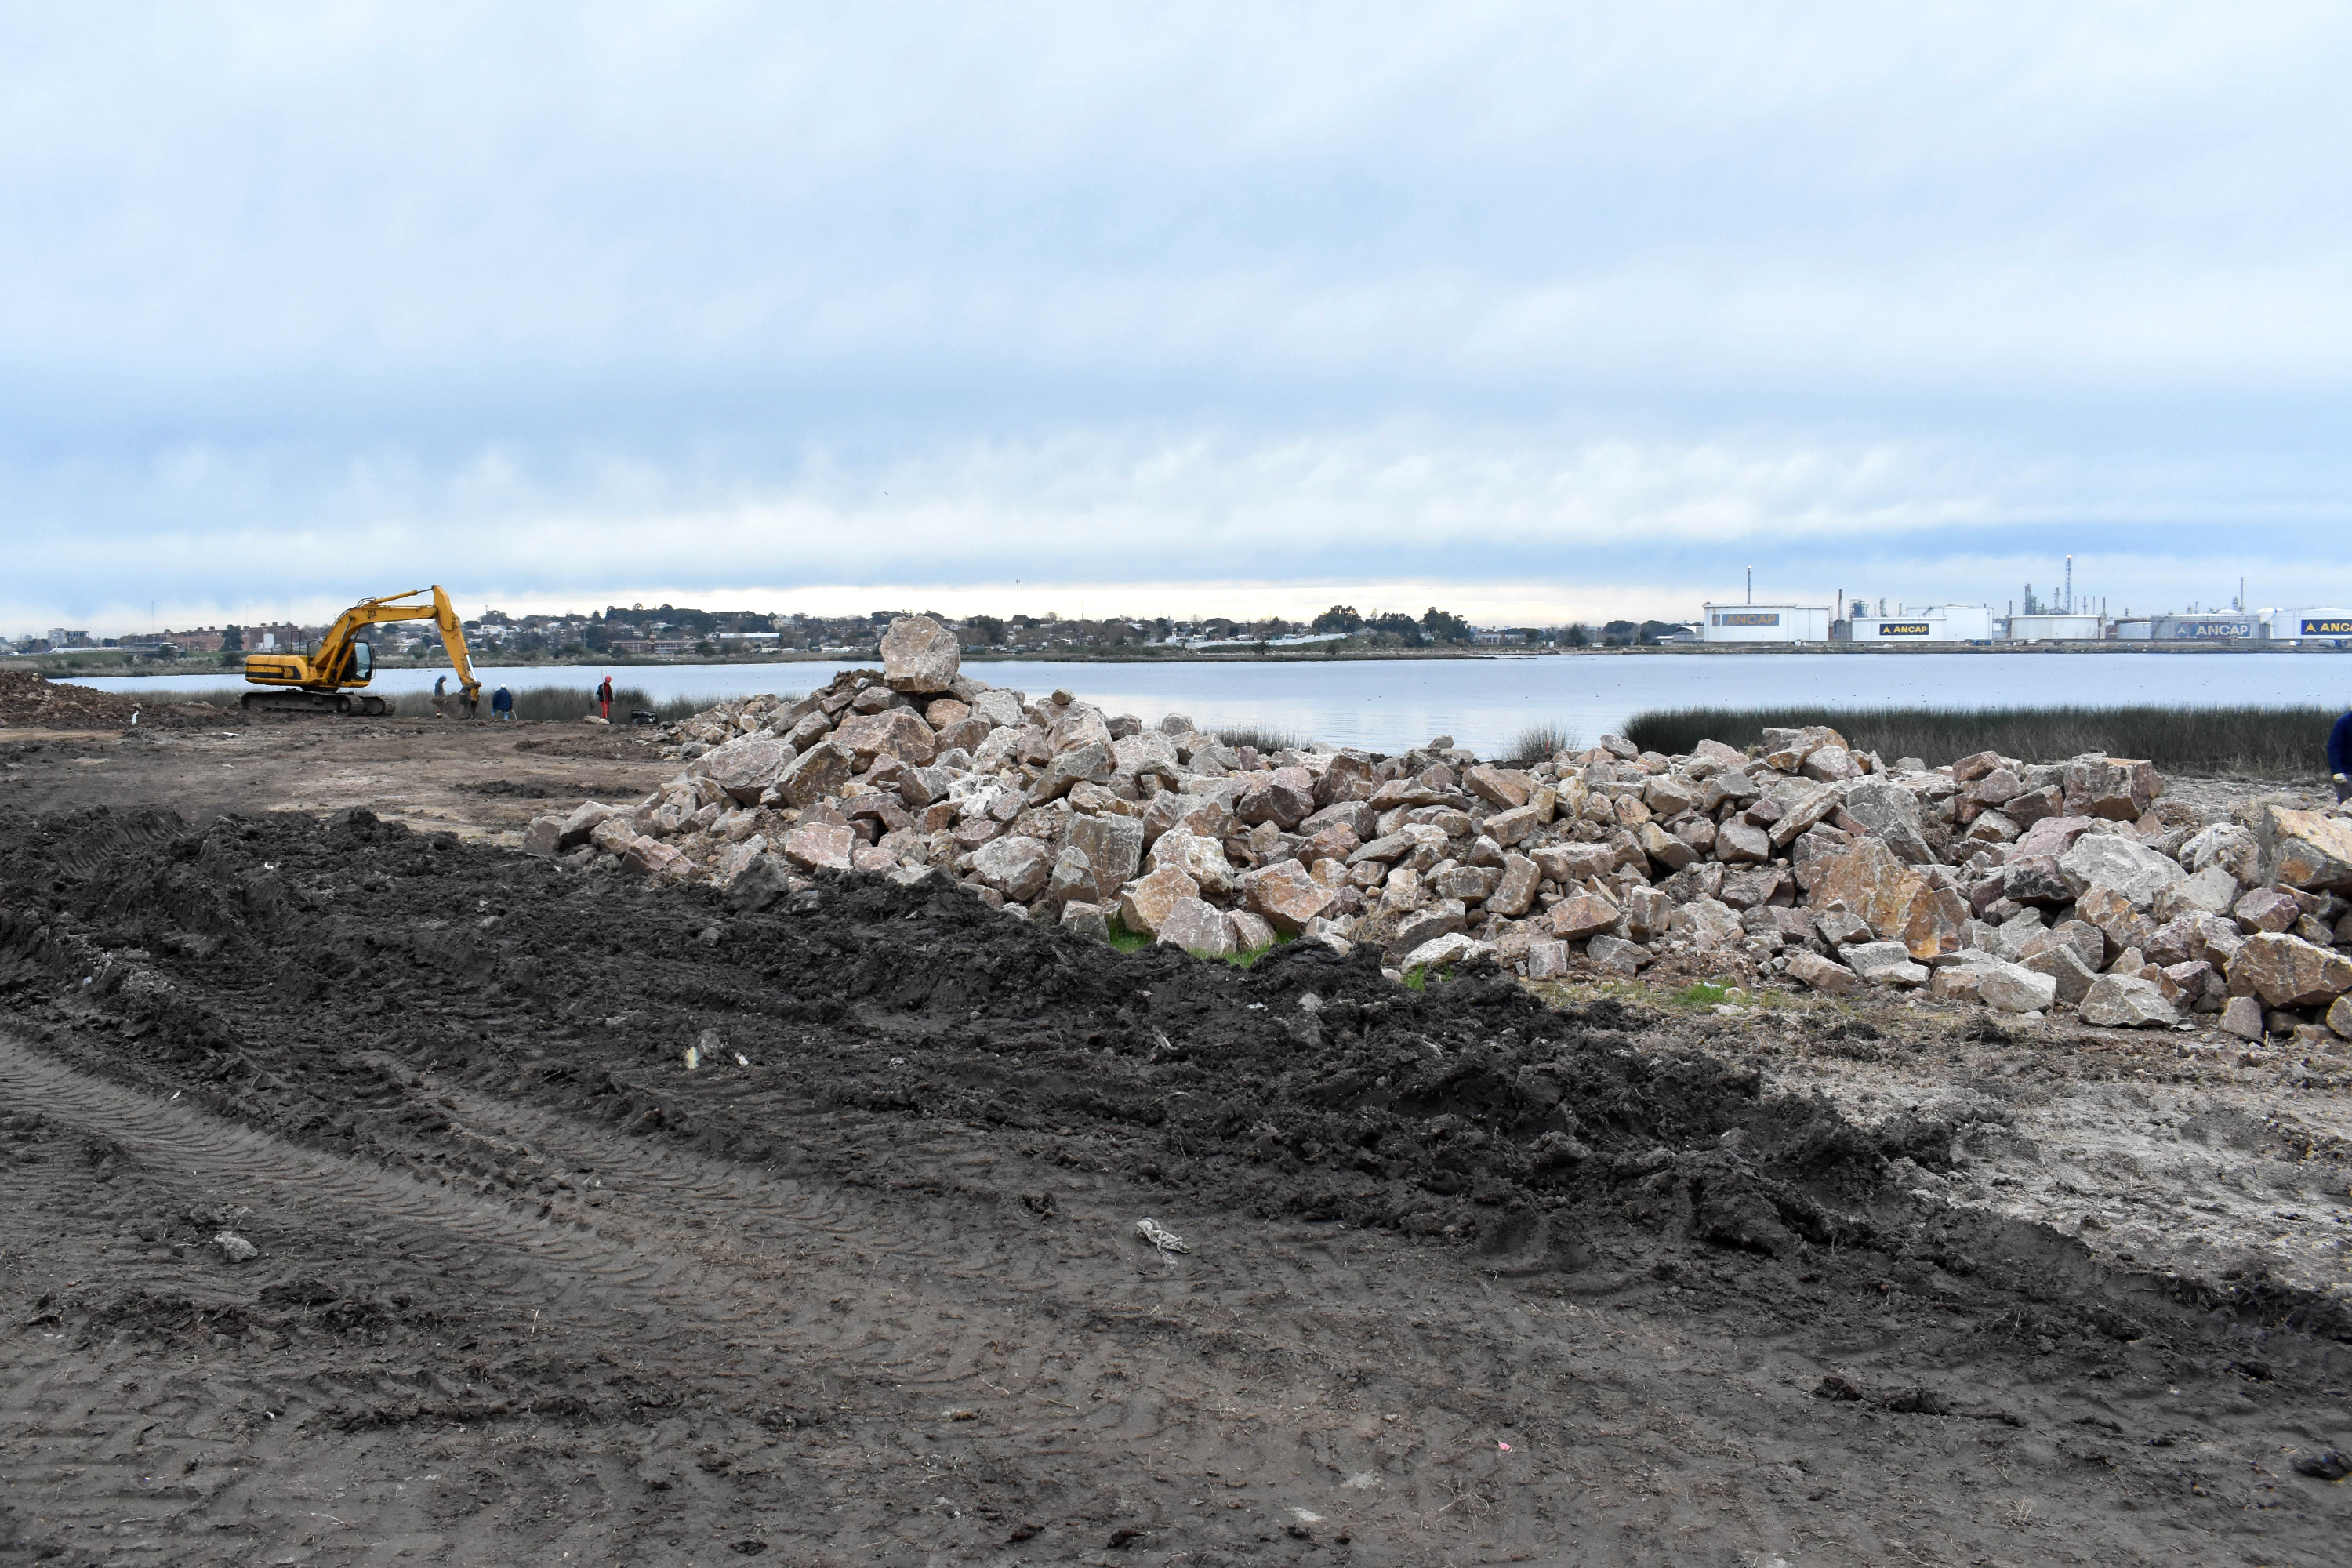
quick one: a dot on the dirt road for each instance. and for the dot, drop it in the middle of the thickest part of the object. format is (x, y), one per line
(1467, 1278)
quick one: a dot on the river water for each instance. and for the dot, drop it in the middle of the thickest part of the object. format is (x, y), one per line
(1485, 703)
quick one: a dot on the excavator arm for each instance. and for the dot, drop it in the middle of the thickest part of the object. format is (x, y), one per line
(343, 660)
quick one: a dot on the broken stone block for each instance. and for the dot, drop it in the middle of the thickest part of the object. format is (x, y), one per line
(920, 657)
(1890, 813)
(1896, 902)
(1085, 919)
(1442, 953)
(1196, 926)
(2126, 1002)
(2035, 879)
(1809, 968)
(820, 845)
(1740, 843)
(1286, 895)
(1885, 964)
(2266, 909)
(2242, 1017)
(1615, 953)
(544, 836)
(2068, 975)
(1547, 959)
(1582, 915)
(1251, 933)
(1016, 866)
(815, 774)
(651, 857)
(2305, 850)
(1647, 913)
(2225, 845)
(1144, 904)
(1709, 925)
(2288, 972)
(1113, 848)
(1201, 858)
(2339, 1017)
(2132, 869)
(2014, 988)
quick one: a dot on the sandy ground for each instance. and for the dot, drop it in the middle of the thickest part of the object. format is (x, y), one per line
(1471, 1276)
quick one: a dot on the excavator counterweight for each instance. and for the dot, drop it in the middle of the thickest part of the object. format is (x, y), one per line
(331, 677)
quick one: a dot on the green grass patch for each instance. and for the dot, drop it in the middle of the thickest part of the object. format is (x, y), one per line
(1538, 743)
(2217, 741)
(1127, 940)
(1707, 994)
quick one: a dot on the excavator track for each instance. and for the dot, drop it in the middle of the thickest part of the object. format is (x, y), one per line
(348, 703)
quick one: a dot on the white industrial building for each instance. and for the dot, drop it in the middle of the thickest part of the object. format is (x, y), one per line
(2084, 626)
(1765, 623)
(2212, 627)
(1937, 623)
(2308, 626)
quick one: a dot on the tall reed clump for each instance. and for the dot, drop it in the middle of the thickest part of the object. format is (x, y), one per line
(562, 704)
(1267, 742)
(2228, 742)
(1539, 741)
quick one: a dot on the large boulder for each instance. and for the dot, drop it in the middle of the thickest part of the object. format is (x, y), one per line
(2068, 974)
(2288, 972)
(581, 822)
(2126, 1002)
(1088, 760)
(1896, 902)
(746, 766)
(920, 657)
(1827, 976)
(544, 836)
(1201, 858)
(651, 857)
(815, 774)
(2132, 869)
(1144, 904)
(1445, 952)
(2013, 988)
(1891, 813)
(2052, 835)
(1113, 847)
(1016, 866)
(1580, 915)
(1285, 897)
(2305, 849)
(2115, 788)
(1286, 798)
(2228, 846)
(819, 845)
(896, 730)
(1198, 926)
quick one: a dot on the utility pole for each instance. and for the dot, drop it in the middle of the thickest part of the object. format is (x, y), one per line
(1751, 584)
(2070, 584)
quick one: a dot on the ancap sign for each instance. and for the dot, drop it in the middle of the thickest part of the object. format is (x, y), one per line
(2332, 627)
(1905, 630)
(1747, 618)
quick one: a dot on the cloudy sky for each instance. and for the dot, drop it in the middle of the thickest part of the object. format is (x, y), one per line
(1539, 311)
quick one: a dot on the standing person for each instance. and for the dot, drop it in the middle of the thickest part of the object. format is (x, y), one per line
(604, 698)
(440, 696)
(2339, 757)
(501, 704)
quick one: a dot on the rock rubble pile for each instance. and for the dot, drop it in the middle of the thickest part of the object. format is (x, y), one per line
(2023, 886)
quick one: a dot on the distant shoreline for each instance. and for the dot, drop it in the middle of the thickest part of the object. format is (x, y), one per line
(115, 663)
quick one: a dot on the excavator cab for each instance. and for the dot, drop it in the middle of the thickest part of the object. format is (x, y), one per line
(325, 678)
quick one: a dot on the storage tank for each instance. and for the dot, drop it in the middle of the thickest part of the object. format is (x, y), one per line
(1765, 623)
(2048, 627)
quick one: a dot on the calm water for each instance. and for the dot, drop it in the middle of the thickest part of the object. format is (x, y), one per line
(1485, 704)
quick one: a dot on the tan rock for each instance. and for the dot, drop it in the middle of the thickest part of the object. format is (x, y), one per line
(2243, 1017)
(1580, 915)
(651, 857)
(2116, 918)
(2126, 1002)
(1648, 914)
(1738, 842)
(2305, 849)
(745, 767)
(920, 657)
(1088, 760)
(1568, 863)
(812, 776)
(2063, 965)
(896, 731)
(1286, 895)
(1664, 848)
(1895, 900)
(822, 845)
(2288, 972)
(2339, 1017)
(941, 712)
(1113, 847)
(1251, 933)
(1515, 894)
(543, 836)
(1547, 959)
(2266, 908)
(1506, 789)
(1809, 968)
(1144, 904)
(1516, 825)
(1201, 858)
(612, 835)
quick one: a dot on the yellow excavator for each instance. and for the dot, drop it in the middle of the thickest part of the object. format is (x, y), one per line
(324, 679)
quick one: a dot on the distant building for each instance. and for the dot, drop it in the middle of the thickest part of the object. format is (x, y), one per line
(1937, 623)
(1765, 623)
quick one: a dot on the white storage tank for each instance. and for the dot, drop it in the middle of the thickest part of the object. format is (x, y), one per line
(1765, 623)
(2206, 628)
(2333, 626)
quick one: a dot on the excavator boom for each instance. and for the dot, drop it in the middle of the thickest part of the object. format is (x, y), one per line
(321, 679)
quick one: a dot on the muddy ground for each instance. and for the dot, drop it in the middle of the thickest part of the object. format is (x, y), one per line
(1473, 1275)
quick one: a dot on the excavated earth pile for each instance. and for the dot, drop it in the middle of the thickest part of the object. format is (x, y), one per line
(382, 1197)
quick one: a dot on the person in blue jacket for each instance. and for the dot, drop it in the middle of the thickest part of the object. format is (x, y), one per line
(503, 704)
(2339, 756)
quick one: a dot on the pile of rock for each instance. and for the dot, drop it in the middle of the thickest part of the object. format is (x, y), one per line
(2023, 887)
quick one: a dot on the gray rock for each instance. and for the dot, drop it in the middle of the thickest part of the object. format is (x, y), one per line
(2064, 966)
(1198, 926)
(2131, 868)
(1615, 953)
(2126, 1002)
(1884, 963)
(1444, 952)
(1113, 847)
(919, 656)
(2012, 988)
(1016, 866)
(2243, 1017)
(1892, 813)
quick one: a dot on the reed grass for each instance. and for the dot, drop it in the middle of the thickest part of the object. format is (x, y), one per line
(1267, 742)
(2216, 741)
(1539, 742)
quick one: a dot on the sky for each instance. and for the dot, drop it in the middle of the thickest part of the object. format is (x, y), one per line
(1539, 312)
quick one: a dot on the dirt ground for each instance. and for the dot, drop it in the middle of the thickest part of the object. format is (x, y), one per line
(1470, 1275)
